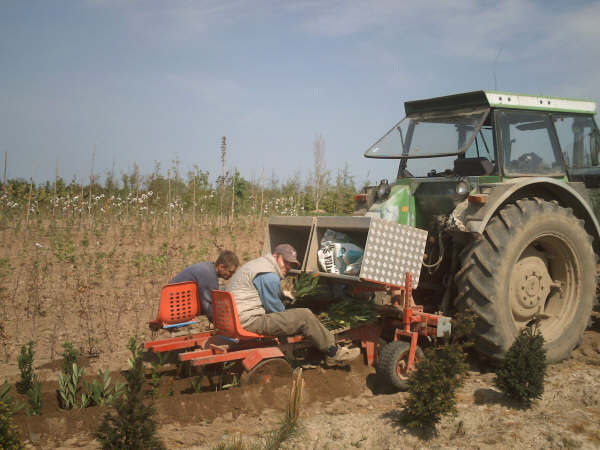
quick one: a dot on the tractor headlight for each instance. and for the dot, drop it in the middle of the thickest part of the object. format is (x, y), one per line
(463, 188)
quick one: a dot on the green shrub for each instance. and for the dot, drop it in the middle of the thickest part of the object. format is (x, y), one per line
(10, 438)
(433, 384)
(101, 391)
(68, 386)
(70, 355)
(25, 361)
(156, 372)
(521, 375)
(34, 398)
(132, 427)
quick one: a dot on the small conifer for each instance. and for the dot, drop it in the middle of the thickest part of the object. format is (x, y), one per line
(133, 426)
(25, 361)
(9, 435)
(433, 383)
(521, 375)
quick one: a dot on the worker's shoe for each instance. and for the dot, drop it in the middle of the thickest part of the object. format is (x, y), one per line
(343, 356)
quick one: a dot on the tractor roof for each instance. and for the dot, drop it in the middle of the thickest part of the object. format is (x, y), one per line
(495, 99)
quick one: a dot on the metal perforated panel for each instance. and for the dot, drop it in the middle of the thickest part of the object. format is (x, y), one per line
(391, 251)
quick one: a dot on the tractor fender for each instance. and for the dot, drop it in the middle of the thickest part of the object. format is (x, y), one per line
(548, 188)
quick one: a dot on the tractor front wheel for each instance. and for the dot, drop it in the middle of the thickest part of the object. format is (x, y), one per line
(392, 367)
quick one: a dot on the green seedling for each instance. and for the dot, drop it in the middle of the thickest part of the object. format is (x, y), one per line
(156, 372)
(101, 391)
(34, 398)
(68, 386)
(25, 361)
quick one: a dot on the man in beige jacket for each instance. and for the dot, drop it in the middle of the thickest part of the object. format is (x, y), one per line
(256, 289)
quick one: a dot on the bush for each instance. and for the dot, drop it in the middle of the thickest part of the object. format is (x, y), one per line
(34, 398)
(521, 375)
(433, 384)
(70, 355)
(68, 386)
(9, 435)
(25, 361)
(132, 427)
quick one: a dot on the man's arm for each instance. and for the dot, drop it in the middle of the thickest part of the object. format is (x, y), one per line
(206, 301)
(269, 289)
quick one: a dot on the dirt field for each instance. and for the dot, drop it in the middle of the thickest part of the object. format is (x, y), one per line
(104, 287)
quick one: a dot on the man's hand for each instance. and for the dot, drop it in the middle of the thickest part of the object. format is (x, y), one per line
(288, 294)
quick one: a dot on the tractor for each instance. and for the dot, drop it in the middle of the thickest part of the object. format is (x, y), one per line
(507, 186)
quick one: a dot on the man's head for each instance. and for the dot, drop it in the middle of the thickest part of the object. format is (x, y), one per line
(226, 264)
(286, 257)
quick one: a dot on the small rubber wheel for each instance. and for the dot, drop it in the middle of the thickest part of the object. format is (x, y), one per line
(393, 364)
(266, 372)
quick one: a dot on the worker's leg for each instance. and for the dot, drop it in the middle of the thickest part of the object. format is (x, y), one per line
(294, 321)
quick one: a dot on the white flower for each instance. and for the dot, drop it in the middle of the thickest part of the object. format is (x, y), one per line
(37, 244)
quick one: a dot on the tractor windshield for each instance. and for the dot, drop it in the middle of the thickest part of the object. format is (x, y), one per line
(430, 134)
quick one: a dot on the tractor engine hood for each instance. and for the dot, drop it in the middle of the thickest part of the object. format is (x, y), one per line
(414, 202)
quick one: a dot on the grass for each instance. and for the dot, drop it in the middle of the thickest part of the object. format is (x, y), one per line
(288, 428)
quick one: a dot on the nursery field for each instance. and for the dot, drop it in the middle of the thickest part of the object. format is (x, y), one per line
(96, 283)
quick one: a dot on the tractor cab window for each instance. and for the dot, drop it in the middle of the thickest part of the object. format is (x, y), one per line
(578, 137)
(483, 145)
(528, 144)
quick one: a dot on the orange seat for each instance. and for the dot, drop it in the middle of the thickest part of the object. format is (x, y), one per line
(178, 306)
(226, 319)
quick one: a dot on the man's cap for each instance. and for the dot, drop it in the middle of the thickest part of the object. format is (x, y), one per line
(288, 252)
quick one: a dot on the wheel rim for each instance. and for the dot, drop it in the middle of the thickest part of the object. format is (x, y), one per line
(543, 283)
(402, 365)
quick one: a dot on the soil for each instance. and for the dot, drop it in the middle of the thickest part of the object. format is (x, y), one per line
(341, 408)
(345, 408)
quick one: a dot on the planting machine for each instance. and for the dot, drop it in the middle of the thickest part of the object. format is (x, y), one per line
(493, 209)
(391, 264)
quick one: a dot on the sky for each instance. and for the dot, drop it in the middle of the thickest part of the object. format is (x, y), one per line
(156, 81)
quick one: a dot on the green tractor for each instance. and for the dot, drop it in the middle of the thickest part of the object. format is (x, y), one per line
(507, 185)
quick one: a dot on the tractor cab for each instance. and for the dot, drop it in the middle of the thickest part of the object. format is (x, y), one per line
(449, 146)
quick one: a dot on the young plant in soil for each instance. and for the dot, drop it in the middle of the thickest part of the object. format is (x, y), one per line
(9, 433)
(70, 355)
(132, 427)
(101, 391)
(434, 382)
(157, 372)
(25, 361)
(69, 387)
(521, 375)
(34, 398)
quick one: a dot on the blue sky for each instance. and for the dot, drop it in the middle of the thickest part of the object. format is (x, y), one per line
(151, 80)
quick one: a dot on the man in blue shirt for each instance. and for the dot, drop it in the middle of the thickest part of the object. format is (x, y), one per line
(206, 275)
(256, 289)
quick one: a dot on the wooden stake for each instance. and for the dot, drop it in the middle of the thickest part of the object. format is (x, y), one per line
(194, 199)
(29, 198)
(5, 163)
(262, 192)
(55, 181)
(91, 183)
(233, 195)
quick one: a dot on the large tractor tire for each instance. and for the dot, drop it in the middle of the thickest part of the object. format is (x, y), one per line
(535, 260)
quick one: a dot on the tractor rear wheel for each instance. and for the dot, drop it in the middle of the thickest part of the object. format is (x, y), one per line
(535, 261)
(392, 366)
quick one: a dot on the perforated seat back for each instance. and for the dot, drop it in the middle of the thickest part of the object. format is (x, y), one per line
(178, 302)
(225, 316)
